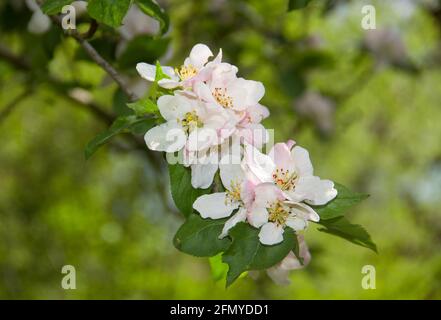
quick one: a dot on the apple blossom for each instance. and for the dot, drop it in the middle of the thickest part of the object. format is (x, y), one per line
(183, 76)
(238, 195)
(291, 170)
(186, 121)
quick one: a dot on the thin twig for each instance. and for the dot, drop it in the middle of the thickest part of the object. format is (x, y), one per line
(95, 56)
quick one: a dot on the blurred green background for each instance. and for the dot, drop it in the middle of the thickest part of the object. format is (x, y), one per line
(365, 103)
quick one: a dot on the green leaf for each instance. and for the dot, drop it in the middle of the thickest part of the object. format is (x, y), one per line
(354, 233)
(218, 268)
(182, 192)
(143, 107)
(159, 73)
(54, 6)
(152, 9)
(142, 126)
(247, 253)
(109, 12)
(200, 237)
(143, 48)
(121, 124)
(297, 4)
(119, 104)
(338, 206)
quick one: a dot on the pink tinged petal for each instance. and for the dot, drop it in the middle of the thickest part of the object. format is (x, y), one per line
(257, 216)
(261, 165)
(255, 91)
(281, 155)
(257, 113)
(247, 193)
(174, 107)
(146, 71)
(314, 190)
(214, 206)
(290, 143)
(240, 216)
(302, 162)
(279, 275)
(304, 251)
(202, 175)
(266, 194)
(199, 55)
(254, 134)
(204, 92)
(168, 137)
(271, 234)
(230, 171)
(290, 262)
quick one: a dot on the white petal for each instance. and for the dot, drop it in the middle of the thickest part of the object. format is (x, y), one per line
(257, 216)
(282, 157)
(303, 211)
(174, 107)
(314, 191)
(261, 165)
(202, 175)
(214, 206)
(230, 170)
(202, 138)
(255, 91)
(302, 161)
(240, 216)
(266, 194)
(146, 71)
(169, 83)
(270, 234)
(167, 137)
(296, 223)
(199, 55)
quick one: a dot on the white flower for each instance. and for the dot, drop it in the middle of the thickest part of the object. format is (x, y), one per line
(286, 186)
(227, 91)
(291, 171)
(238, 195)
(272, 212)
(188, 123)
(183, 76)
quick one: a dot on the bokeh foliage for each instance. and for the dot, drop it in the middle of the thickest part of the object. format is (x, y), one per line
(107, 216)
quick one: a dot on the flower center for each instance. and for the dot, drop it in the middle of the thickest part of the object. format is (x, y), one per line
(186, 72)
(285, 179)
(278, 213)
(233, 195)
(221, 96)
(191, 121)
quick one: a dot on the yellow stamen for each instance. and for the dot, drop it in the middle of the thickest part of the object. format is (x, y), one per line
(233, 195)
(186, 72)
(284, 179)
(191, 121)
(278, 213)
(221, 96)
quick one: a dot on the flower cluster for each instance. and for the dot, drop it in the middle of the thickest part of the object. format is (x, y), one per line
(210, 111)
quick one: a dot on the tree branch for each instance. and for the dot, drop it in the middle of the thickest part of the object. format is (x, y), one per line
(95, 56)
